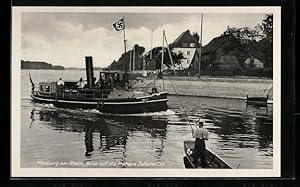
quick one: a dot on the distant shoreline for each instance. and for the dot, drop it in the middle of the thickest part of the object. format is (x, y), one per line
(43, 69)
(95, 69)
(40, 65)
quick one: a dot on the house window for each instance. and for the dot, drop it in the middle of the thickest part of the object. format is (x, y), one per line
(184, 44)
(179, 52)
(192, 45)
(188, 53)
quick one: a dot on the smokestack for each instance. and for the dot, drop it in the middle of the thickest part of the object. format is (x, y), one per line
(89, 71)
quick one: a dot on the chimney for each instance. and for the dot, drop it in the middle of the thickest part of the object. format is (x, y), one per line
(89, 71)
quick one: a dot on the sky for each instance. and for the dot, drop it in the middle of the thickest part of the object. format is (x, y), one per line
(65, 38)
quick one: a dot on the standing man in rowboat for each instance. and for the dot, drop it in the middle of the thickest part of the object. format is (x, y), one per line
(201, 134)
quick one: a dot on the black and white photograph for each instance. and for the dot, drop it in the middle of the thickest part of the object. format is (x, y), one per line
(146, 92)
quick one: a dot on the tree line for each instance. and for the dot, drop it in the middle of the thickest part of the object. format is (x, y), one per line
(256, 42)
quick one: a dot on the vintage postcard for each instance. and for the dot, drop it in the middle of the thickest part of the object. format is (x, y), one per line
(146, 92)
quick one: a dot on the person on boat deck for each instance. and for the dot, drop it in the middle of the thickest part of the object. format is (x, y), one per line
(97, 82)
(94, 80)
(60, 83)
(80, 84)
(154, 90)
(201, 134)
(111, 81)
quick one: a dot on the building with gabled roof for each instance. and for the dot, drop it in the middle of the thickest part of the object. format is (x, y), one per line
(186, 44)
(220, 53)
(213, 45)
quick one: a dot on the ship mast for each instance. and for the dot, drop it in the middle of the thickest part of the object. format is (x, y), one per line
(162, 53)
(169, 52)
(200, 51)
(151, 44)
(126, 76)
(162, 56)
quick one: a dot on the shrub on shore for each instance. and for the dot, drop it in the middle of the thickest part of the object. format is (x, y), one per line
(250, 72)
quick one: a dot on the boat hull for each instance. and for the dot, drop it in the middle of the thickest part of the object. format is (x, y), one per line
(152, 103)
(213, 160)
(257, 101)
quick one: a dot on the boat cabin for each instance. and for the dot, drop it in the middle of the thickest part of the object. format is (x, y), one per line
(111, 80)
(100, 88)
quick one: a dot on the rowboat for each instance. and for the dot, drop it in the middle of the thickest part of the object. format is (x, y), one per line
(213, 160)
(258, 101)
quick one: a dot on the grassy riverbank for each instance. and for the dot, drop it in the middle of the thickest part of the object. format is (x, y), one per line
(225, 87)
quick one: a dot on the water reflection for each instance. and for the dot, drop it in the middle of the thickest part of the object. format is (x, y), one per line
(236, 126)
(249, 129)
(104, 134)
(239, 134)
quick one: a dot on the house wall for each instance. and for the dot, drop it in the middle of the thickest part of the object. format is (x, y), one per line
(228, 62)
(194, 65)
(224, 60)
(188, 54)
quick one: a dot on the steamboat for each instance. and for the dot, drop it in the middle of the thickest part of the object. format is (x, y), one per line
(110, 94)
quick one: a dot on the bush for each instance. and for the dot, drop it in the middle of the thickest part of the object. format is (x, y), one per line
(251, 72)
(266, 72)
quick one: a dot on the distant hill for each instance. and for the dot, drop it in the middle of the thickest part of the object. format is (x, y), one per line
(39, 65)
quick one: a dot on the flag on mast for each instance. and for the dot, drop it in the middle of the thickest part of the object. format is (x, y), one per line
(119, 25)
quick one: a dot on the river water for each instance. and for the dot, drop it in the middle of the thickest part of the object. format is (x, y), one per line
(240, 134)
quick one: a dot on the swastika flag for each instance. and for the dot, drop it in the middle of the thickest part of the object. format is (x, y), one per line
(119, 25)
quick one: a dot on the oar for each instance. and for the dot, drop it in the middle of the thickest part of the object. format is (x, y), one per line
(238, 166)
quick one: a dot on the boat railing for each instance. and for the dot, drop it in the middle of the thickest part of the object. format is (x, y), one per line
(82, 93)
(150, 88)
(147, 86)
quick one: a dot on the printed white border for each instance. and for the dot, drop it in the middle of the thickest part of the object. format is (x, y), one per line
(17, 171)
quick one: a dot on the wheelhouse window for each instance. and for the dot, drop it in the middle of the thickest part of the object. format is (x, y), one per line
(192, 44)
(188, 53)
(184, 44)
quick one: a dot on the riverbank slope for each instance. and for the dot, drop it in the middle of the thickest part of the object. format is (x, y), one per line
(214, 86)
